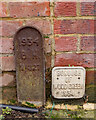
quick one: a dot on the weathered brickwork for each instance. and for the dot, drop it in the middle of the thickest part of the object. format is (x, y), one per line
(74, 26)
(28, 9)
(65, 43)
(88, 43)
(43, 25)
(88, 8)
(6, 45)
(3, 9)
(7, 79)
(9, 27)
(69, 35)
(65, 59)
(8, 63)
(65, 9)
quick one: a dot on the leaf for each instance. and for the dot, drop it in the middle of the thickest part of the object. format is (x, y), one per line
(46, 36)
(30, 104)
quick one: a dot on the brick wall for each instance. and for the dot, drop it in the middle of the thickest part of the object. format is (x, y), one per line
(69, 37)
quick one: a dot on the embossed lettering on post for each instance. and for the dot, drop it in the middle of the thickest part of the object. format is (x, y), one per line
(68, 82)
(29, 59)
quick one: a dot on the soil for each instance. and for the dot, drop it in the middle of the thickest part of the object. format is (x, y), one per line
(52, 114)
(23, 115)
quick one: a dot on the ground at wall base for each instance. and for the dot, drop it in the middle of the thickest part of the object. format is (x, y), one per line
(54, 113)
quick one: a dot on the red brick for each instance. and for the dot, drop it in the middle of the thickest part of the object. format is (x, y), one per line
(88, 8)
(47, 45)
(43, 25)
(0, 27)
(65, 26)
(94, 26)
(6, 45)
(29, 9)
(90, 77)
(85, 60)
(88, 43)
(8, 63)
(85, 26)
(7, 80)
(10, 27)
(65, 44)
(74, 26)
(0, 45)
(3, 9)
(65, 9)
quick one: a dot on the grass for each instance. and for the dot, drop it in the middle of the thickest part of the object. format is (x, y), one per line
(77, 114)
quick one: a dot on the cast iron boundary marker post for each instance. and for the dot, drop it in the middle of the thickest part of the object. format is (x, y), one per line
(30, 65)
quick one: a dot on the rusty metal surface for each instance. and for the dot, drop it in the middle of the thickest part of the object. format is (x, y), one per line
(29, 59)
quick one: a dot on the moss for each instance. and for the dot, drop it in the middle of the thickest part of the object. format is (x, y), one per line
(90, 92)
(76, 115)
(46, 36)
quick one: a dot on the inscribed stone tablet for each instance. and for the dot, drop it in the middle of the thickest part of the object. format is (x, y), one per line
(68, 82)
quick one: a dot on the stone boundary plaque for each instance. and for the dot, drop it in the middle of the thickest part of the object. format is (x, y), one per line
(68, 82)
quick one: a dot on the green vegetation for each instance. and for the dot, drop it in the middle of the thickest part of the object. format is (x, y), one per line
(12, 101)
(30, 105)
(46, 36)
(1, 117)
(7, 110)
(77, 114)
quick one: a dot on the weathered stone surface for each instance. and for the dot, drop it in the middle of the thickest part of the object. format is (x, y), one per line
(89, 106)
(29, 65)
(68, 82)
(61, 106)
